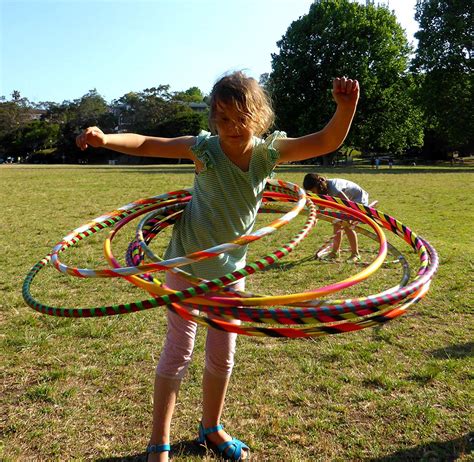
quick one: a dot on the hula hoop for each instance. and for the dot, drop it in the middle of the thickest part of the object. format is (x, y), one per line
(271, 300)
(215, 297)
(387, 315)
(114, 217)
(200, 286)
(262, 315)
(173, 262)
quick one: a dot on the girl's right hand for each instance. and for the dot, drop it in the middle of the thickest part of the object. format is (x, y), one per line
(92, 136)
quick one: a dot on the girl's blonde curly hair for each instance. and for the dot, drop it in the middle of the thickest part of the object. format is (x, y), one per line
(249, 99)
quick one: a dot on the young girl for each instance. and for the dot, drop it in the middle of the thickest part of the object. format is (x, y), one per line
(345, 190)
(231, 170)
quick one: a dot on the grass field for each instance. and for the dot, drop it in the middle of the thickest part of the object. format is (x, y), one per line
(80, 389)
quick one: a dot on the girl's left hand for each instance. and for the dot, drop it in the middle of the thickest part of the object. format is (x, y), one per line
(345, 91)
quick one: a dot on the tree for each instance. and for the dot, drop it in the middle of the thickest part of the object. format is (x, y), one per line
(13, 113)
(264, 80)
(35, 136)
(444, 63)
(149, 111)
(191, 95)
(91, 109)
(158, 112)
(142, 112)
(339, 37)
(185, 123)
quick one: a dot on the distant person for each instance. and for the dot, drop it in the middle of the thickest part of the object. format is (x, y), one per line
(390, 162)
(343, 189)
(377, 163)
(232, 167)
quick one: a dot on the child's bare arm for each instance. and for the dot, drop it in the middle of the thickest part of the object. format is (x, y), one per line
(138, 145)
(346, 94)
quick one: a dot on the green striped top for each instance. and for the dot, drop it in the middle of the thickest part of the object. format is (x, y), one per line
(224, 204)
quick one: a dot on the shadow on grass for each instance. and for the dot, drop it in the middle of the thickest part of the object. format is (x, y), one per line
(134, 458)
(445, 451)
(454, 351)
(289, 265)
(436, 451)
(184, 448)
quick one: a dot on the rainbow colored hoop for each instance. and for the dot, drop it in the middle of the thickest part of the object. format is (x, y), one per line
(217, 298)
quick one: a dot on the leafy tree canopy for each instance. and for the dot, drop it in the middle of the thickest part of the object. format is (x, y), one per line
(191, 95)
(339, 37)
(444, 61)
(145, 111)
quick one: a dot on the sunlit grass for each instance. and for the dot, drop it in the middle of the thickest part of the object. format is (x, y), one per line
(80, 389)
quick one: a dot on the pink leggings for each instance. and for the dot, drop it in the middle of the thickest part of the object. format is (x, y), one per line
(179, 343)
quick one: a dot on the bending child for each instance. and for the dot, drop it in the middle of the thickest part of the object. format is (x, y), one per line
(344, 189)
(231, 166)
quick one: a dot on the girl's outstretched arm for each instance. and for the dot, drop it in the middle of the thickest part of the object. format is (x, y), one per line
(138, 145)
(346, 94)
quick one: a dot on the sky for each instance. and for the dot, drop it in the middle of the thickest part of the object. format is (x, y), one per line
(59, 50)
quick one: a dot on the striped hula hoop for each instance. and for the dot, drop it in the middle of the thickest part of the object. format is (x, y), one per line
(307, 314)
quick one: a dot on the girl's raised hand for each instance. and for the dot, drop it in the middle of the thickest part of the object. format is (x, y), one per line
(345, 91)
(92, 136)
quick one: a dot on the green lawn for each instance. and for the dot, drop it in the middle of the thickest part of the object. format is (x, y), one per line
(80, 389)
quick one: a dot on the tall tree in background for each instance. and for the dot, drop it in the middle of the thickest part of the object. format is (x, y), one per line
(339, 37)
(13, 113)
(153, 111)
(89, 110)
(35, 136)
(14, 117)
(444, 61)
(191, 95)
(144, 111)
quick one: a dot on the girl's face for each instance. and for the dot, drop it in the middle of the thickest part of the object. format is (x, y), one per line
(232, 127)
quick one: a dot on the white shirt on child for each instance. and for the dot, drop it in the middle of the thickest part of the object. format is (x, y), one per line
(352, 190)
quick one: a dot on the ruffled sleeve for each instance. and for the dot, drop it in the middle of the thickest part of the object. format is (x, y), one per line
(267, 155)
(273, 153)
(201, 150)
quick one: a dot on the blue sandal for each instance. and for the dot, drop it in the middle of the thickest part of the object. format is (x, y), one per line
(157, 448)
(229, 450)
